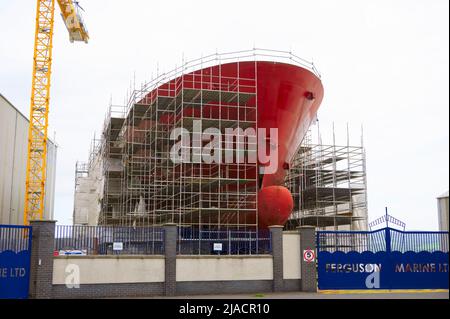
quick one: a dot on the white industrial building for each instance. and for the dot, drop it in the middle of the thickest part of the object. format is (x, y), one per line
(13, 163)
(443, 211)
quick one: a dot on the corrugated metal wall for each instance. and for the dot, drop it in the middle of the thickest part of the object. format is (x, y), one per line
(13, 161)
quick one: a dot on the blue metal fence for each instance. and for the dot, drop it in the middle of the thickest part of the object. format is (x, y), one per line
(114, 240)
(418, 241)
(15, 238)
(382, 240)
(383, 259)
(346, 241)
(195, 241)
(109, 240)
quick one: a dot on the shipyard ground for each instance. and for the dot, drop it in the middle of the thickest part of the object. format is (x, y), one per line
(340, 295)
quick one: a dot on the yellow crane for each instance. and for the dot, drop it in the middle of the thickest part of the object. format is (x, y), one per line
(40, 97)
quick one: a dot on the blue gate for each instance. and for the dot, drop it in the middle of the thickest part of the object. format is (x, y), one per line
(15, 253)
(382, 259)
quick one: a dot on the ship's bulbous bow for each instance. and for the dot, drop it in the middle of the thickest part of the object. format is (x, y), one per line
(288, 99)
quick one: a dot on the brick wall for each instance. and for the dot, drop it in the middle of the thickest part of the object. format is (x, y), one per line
(41, 265)
(308, 269)
(42, 285)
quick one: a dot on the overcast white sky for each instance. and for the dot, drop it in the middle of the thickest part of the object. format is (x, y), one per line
(384, 64)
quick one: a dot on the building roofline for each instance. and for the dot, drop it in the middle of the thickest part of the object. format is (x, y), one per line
(15, 108)
(23, 115)
(443, 195)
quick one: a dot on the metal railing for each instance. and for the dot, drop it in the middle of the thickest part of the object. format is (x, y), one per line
(192, 241)
(15, 238)
(418, 241)
(346, 241)
(387, 239)
(256, 54)
(109, 240)
(114, 240)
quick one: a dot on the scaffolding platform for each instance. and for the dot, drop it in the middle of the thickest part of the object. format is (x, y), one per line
(328, 184)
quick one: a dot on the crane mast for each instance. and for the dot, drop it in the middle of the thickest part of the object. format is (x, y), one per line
(40, 98)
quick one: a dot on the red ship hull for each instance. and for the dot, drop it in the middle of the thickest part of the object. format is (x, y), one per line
(286, 97)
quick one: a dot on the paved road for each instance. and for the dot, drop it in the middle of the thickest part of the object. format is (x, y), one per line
(304, 295)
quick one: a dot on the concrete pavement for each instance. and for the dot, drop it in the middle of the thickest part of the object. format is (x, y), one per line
(305, 295)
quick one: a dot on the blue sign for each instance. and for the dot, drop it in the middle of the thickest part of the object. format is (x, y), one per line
(15, 253)
(382, 270)
(14, 274)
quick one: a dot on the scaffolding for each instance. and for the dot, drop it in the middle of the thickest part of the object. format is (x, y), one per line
(157, 190)
(143, 186)
(110, 153)
(328, 184)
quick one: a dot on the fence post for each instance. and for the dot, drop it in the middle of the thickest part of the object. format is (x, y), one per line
(308, 269)
(41, 265)
(388, 274)
(387, 235)
(277, 253)
(170, 251)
